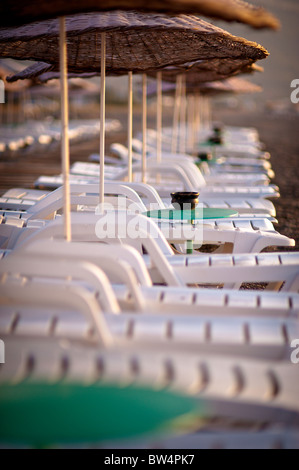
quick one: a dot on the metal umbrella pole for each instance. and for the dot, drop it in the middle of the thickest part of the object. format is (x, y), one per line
(130, 125)
(65, 149)
(102, 118)
(144, 112)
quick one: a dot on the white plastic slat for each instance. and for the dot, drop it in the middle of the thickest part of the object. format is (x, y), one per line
(221, 260)
(243, 224)
(177, 297)
(266, 333)
(240, 299)
(262, 224)
(204, 297)
(290, 258)
(51, 368)
(218, 203)
(81, 368)
(27, 202)
(268, 259)
(222, 331)
(15, 193)
(115, 367)
(225, 224)
(72, 326)
(15, 222)
(12, 200)
(36, 223)
(178, 261)
(220, 381)
(275, 302)
(188, 330)
(198, 260)
(256, 203)
(31, 324)
(244, 260)
(240, 203)
(148, 327)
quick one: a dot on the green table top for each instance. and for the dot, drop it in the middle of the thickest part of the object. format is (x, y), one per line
(198, 214)
(43, 414)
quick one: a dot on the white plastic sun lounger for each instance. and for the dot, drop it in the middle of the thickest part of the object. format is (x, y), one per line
(44, 286)
(273, 269)
(243, 204)
(53, 309)
(235, 390)
(245, 207)
(185, 174)
(134, 289)
(83, 196)
(239, 236)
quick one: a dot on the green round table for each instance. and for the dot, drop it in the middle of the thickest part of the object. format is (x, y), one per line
(197, 214)
(191, 216)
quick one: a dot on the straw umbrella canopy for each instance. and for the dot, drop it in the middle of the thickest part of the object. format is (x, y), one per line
(135, 42)
(118, 42)
(42, 72)
(26, 11)
(205, 70)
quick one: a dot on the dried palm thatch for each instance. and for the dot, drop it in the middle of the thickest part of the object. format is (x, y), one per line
(25, 11)
(135, 42)
(41, 72)
(208, 70)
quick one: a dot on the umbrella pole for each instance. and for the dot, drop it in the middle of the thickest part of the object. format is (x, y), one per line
(144, 128)
(102, 118)
(159, 117)
(130, 125)
(183, 116)
(159, 121)
(65, 149)
(190, 113)
(176, 114)
(198, 123)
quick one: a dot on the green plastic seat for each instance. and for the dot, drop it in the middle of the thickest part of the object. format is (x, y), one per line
(41, 414)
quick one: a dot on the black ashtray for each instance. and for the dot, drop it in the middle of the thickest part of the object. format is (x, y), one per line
(181, 199)
(205, 157)
(217, 130)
